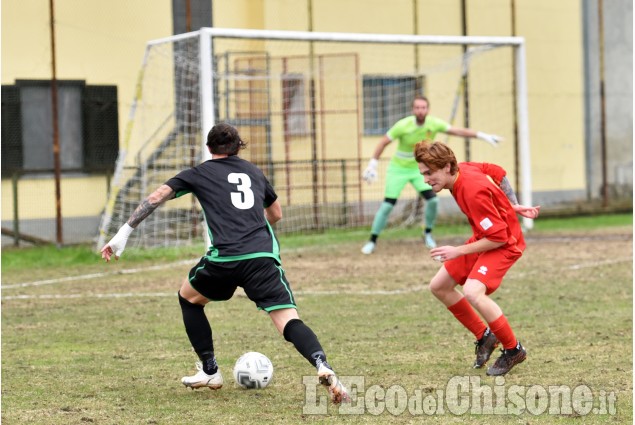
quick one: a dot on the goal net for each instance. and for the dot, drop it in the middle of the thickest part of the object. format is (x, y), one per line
(311, 107)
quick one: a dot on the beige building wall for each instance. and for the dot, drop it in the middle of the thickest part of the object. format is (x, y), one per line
(99, 42)
(553, 36)
(104, 42)
(556, 111)
(96, 41)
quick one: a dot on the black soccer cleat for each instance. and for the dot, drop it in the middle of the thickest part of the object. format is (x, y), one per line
(484, 348)
(508, 360)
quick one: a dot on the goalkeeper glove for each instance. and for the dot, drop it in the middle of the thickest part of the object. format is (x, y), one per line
(492, 139)
(370, 173)
(118, 243)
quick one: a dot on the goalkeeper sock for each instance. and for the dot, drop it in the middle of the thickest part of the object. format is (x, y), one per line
(432, 206)
(305, 341)
(199, 333)
(381, 218)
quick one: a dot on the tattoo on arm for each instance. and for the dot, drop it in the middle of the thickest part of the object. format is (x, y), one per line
(150, 204)
(507, 188)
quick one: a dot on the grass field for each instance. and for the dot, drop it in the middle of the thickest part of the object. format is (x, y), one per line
(89, 342)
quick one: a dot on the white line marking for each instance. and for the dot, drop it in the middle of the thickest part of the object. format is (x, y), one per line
(170, 294)
(173, 294)
(599, 263)
(97, 275)
(366, 292)
(51, 281)
(71, 296)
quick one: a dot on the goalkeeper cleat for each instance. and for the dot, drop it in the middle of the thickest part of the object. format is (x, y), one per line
(429, 240)
(368, 248)
(484, 348)
(337, 391)
(202, 379)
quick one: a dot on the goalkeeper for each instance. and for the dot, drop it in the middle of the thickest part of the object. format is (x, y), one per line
(403, 167)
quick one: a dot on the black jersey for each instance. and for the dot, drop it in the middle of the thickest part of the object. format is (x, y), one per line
(233, 194)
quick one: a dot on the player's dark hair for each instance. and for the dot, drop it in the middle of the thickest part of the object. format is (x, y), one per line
(420, 97)
(224, 139)
(436, 155)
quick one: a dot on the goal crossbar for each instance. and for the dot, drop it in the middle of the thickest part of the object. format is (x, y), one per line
(518, 43)
(206, 74)
(347, 37)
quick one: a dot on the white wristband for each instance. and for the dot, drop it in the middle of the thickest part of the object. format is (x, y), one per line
(126, 230)
(373, 163)
(118, 242)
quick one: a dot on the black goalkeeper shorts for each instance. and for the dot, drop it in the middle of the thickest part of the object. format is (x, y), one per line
(262, 279)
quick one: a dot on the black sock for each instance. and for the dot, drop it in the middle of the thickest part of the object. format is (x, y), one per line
(515, 350)
(305, 341)
(199, 332)
(428, 230)
(209, 363)
(373, 238)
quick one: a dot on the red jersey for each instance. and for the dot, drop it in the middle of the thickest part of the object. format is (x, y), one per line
(477, 192)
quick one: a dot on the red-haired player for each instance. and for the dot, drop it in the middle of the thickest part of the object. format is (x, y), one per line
(484, 195)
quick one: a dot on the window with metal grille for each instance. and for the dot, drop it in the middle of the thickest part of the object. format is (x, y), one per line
(387, 100)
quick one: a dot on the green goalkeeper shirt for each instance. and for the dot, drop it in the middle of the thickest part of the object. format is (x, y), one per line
(408, 134)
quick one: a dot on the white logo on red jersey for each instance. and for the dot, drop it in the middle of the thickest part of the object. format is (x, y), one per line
(486, 223)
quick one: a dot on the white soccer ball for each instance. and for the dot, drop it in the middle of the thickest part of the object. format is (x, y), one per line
(253, 370)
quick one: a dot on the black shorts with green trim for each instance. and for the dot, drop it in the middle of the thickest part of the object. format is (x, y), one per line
(262, 278)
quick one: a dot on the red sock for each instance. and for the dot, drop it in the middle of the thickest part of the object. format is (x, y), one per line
(465, 314)
(500, 327)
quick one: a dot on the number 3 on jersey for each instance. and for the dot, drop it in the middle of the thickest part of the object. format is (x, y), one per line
(244, 198)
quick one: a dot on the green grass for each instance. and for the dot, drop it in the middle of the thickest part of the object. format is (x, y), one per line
(51, 256)
(81, 255)
(111, 349)
(583, 222)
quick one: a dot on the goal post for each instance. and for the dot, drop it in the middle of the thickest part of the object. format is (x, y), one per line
(311, 106)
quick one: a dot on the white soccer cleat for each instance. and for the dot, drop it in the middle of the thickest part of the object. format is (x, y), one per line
(337, 391)
(429, 240)
(368, 248)
(202, 379)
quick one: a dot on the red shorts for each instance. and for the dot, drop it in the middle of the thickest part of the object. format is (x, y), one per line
(487, 267)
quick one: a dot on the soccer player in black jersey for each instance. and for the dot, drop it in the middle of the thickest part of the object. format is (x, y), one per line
(239, 205)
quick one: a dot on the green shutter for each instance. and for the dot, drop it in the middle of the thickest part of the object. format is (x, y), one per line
(101, 128)
(11, 130)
